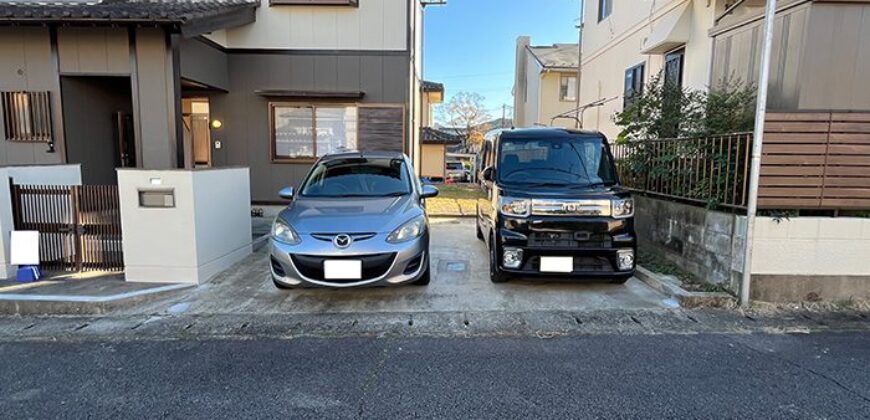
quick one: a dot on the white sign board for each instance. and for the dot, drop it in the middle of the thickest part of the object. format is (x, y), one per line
(25, 247)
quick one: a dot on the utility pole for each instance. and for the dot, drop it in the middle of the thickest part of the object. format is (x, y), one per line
(578, 122)
(758, 139)
(503, 115)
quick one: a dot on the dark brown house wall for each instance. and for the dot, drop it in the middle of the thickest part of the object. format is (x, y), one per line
(245, 138)
(204, 63)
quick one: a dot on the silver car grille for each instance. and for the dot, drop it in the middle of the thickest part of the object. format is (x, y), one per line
(571, 207)
(328, 237)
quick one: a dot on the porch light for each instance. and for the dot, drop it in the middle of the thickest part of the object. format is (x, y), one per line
(625, 259)
(216, 124)
(512, 258)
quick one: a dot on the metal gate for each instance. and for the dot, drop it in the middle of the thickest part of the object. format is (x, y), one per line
(79, 225)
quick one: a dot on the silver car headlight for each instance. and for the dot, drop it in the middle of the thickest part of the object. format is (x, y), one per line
(412, 229)
(622, 208)
(517, 207)
(282, 232)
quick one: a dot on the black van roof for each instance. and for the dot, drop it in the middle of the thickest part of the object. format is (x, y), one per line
(549, 132)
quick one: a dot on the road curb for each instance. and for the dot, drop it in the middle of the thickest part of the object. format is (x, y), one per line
(670, 287)
(47, 304)
(541, 324)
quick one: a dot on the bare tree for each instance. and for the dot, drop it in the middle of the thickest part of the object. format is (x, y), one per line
(467, 116)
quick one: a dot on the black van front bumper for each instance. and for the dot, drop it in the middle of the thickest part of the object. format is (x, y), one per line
(592, 242)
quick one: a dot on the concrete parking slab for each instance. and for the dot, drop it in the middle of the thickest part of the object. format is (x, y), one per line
(460, 282)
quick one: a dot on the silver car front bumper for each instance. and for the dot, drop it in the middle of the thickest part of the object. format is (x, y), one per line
(397, 269)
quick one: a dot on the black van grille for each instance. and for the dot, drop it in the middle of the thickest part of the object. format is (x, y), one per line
(373, 266)
(569, 240)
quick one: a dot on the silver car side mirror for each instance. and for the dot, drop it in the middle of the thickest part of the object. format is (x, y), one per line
(286, 193)
(429, 191)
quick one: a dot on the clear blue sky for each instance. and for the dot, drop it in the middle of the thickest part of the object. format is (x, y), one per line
(470, 44)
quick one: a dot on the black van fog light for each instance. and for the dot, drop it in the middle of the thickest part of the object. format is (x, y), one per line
(625, 259)
(512, 258)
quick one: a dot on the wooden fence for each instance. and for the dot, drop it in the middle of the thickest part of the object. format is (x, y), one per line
(816, 160)
(79, 225)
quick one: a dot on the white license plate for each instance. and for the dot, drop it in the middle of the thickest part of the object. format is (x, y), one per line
(342, 269)
(557, 264)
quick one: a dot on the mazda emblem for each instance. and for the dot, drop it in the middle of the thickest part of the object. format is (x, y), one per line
(342, 241)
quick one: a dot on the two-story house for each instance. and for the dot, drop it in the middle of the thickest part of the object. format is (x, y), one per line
(821, 51)
(267, 84)
(545, 84)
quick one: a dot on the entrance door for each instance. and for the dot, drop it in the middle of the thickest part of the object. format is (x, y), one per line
(97, 122)
(197, 133)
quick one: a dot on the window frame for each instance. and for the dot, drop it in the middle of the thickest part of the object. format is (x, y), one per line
(675, 54)
(275, 158)
(605, 9)
(562, 80)
(638, 73)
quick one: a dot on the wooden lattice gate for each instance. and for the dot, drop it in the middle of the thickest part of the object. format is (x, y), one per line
(79, 225)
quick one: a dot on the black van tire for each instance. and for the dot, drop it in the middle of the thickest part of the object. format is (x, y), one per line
(479, 232)
(495, 275)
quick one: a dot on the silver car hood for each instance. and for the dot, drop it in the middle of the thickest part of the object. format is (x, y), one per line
(350, 215)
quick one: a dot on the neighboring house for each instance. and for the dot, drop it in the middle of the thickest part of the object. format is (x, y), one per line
(433, 142)
(267, 84)
(545, 83)
(820, 51)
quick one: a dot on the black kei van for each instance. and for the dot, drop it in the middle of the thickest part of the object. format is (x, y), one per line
(554, 207)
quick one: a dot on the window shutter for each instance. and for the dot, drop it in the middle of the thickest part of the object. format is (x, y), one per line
(381, 128)
(26, 116)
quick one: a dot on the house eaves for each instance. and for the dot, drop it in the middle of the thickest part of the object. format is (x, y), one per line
(189, 17)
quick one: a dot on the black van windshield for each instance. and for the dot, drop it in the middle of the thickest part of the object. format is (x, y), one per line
(577, 161)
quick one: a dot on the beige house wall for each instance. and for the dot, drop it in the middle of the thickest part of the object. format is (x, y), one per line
(380, 25)
(433, 165)
(614, 45)
(550, 103)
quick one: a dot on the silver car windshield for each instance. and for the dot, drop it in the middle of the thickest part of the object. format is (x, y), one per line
(358, 177)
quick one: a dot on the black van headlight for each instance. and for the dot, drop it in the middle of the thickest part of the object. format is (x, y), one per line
(517, 207)
(622, 208)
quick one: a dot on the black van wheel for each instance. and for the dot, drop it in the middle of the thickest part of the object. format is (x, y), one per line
(479, 232)
(495, 274)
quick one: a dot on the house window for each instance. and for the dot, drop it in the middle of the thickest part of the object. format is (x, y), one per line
(633, 84)
(674, 67)
(306, 132)
(605, 8)
(26, 116)
(568, 88)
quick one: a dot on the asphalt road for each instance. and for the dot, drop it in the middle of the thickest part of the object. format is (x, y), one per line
(650, 376)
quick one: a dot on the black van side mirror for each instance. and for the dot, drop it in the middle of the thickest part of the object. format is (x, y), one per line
(488, 174)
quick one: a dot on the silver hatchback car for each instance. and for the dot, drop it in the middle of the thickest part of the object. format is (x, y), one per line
(358, 219)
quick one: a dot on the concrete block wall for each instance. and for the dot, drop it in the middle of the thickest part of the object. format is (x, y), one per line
(696, 239)
(796, 259)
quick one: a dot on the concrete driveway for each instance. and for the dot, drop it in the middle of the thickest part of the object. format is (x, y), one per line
(460, 282)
